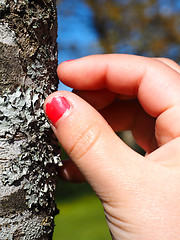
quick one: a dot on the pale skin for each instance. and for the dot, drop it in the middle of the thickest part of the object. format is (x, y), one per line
(140, 194)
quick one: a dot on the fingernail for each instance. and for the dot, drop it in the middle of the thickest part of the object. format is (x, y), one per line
(55, 108)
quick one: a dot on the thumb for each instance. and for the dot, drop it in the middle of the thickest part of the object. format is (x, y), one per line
(90, 142)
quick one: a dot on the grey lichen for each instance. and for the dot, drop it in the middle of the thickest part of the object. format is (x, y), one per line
(21, 119)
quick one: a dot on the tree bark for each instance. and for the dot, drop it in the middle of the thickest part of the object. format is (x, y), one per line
(28, 150)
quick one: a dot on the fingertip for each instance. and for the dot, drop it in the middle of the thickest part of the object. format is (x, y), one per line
(56, 106)
(82, 73)
(61, 66)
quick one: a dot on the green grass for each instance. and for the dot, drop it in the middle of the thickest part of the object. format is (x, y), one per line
(81, 219)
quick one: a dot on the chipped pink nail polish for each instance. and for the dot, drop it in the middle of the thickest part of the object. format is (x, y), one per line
(55, 108)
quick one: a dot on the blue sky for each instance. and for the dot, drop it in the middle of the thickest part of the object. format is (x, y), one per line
(76, 35)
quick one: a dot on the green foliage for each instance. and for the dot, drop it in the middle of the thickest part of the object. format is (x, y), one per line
(81, 219)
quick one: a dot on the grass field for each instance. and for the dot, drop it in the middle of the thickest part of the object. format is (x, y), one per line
(81, 219)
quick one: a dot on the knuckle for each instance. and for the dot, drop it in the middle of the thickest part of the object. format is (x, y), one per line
(85, 142)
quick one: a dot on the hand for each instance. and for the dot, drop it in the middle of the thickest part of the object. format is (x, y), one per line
(140, 195)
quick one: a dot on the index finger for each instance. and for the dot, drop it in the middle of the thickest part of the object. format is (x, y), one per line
(156, 85)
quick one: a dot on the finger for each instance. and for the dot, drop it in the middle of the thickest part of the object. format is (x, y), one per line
(168, 154)
(168, 125)
(170, 63)
(121, 115)
(98, 99)
(69, 172)
(91, 143)
(129, 115)
(156, 85)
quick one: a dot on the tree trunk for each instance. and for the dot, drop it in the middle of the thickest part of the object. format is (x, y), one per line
(28, 150)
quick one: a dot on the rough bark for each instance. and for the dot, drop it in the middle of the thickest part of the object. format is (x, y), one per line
(28, 150)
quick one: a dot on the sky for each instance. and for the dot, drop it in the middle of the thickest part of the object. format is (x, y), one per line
(76, 34)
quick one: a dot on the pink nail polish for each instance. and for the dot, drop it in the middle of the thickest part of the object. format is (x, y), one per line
(55, 108)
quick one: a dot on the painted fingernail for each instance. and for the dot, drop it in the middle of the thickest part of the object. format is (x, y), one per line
(55, 108)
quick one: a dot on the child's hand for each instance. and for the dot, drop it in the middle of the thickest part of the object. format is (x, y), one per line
(140, 195)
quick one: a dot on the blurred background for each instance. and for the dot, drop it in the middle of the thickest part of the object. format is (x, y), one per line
(143, 27)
